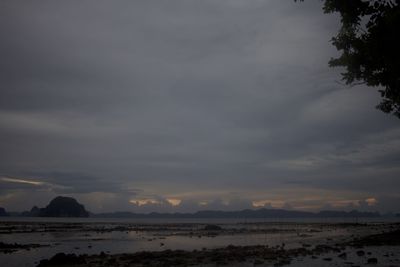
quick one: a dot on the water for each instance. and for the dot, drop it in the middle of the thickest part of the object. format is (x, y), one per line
(112, 235)
(202, 220)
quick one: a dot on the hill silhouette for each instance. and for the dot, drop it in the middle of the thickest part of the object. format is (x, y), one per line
(59, 207)
(3, 212)
(69, 207)
(247, 213)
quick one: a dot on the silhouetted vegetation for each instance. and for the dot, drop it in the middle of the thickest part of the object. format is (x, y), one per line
(370, 45)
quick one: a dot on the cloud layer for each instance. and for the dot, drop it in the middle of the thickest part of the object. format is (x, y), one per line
(217, 104)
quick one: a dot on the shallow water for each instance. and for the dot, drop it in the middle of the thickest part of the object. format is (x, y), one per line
(95, 236)
(201, 220)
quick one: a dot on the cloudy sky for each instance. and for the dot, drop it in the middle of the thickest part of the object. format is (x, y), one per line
(185, 105)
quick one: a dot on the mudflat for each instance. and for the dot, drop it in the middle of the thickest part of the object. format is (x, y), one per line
(200, 244)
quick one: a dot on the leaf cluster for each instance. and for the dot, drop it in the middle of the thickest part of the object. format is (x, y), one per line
(369, 42)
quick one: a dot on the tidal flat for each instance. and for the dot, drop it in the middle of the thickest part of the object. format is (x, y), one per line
(198, 243)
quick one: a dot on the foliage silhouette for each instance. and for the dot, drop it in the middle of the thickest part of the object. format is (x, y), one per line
(370, 44)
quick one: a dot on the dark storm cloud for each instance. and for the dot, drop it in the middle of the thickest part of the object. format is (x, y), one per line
(140, 102)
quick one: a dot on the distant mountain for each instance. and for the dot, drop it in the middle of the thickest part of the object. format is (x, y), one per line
(69, 207)
(352, 214)
(58, 207)
(35, 211)
(3, 212)
(259, 213)
(61, 207)
(248, 213)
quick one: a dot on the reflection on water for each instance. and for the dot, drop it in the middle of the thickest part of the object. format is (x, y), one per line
(92, 236)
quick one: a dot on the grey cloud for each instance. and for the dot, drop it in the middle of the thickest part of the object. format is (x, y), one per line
(166, 98)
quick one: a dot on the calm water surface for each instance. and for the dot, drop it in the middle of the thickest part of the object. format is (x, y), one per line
(87, 235)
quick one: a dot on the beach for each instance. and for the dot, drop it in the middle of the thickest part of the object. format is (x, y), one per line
(202, 243)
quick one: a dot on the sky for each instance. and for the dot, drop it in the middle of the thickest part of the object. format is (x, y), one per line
(186, 105)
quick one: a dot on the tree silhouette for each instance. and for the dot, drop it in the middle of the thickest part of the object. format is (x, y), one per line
(369, 39)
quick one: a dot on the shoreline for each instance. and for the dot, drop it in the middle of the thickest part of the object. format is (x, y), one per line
(298, 244)
(234, 255)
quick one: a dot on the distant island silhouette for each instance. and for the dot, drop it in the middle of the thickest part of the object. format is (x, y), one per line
(59, 207)
(3, 212)
(70, 207)
(247, 213)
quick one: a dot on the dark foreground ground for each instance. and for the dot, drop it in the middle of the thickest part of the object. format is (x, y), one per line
(187, 244)
(244, 255)
(235, 255)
